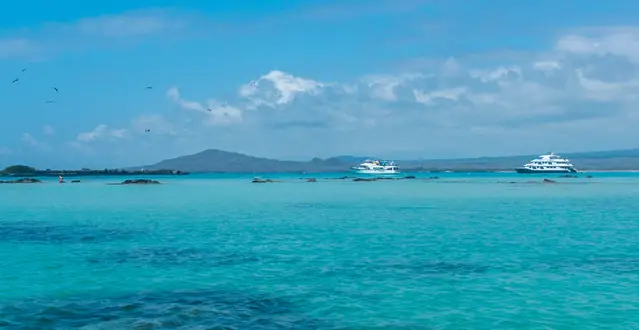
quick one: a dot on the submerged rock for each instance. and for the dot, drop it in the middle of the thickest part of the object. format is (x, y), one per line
(257, 180)
(23, 180)
(138, 181)
(364, 179)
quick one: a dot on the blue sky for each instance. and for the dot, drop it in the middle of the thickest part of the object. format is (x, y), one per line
(297, 79)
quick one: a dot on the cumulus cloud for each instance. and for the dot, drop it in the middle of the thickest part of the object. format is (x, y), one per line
(102, 132)
(585, 88)
(94, 31)
(32, 142)
(215, 113)
(5, 151)
(48, 130)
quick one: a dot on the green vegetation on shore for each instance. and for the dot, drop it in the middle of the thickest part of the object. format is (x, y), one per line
(28, 171)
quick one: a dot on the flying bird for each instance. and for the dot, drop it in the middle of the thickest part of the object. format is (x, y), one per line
(16, 80)
(49, 102)
(147, 130)
(209, 110)
(56, 89)
(149, 87)
(25, 69)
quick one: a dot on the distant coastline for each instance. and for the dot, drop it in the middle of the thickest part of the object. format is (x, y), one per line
(27, 171)
(220, 161)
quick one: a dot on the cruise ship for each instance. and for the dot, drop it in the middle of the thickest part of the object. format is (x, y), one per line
(549, 163)
(376, 166)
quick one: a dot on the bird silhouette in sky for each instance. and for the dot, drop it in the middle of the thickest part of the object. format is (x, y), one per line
(149, 87)
(209, 110)
(25, 69)
(56, 89)
(49, 102)
(15, 80)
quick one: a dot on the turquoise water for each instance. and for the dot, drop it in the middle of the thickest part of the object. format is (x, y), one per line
(466, 251)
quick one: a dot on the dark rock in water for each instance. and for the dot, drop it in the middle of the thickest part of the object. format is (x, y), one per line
(34, 232)
(549, 181)
(75, 181)
(311, 180)
(23, 180)
(568, 176)
(140, 181)
(196, 309)
(409, 177)
(256, 180)
(364, 179)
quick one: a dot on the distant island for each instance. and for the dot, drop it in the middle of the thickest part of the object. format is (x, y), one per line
(28, 171)
(219, 161)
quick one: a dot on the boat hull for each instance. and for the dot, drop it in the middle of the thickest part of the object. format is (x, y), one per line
(523, 170)
(375, 172)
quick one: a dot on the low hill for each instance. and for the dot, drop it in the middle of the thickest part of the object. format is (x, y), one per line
(223, 161)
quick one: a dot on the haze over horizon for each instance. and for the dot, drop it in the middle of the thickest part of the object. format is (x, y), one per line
(301, 79)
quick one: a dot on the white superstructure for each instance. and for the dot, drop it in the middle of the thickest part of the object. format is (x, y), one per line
(549, 163)
(375, 166)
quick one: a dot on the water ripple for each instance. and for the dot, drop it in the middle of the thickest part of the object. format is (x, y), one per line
(210, 309)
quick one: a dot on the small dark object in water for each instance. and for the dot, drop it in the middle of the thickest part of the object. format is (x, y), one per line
(23, 180)
(409, 177)
(549, 181)
(433, 178)
(311, 180)
(589, 176)
(140, 181)
(568, 176)
(75, 181)
(364, 179)
(256, 180)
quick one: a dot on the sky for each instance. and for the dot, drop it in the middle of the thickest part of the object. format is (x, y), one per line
(399, 79)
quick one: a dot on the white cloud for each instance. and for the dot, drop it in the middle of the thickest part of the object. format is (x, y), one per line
(5, 151)
(582, 94)
(32, 142)
(10, 47)
(102, 132)
(277, 88)
(157, 124)
(48, 130)
(215, 113)
(136, 23)
(52, 37)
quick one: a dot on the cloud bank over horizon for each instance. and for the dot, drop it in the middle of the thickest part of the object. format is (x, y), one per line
(578, 94)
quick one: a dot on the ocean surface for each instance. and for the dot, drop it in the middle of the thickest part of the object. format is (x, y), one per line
(465, 251)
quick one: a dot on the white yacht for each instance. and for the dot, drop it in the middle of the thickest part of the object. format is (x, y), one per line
(375, 166)
(549, 163)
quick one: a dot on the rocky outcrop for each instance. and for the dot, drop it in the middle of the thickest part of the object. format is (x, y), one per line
(138, 182)
(23, 180)
(256, 180)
